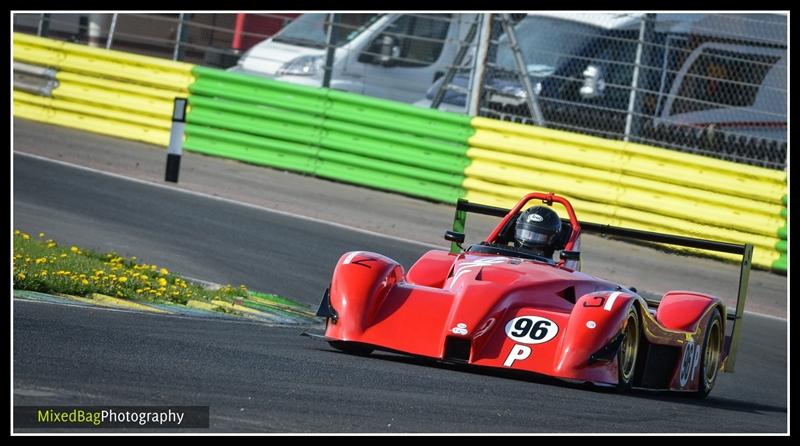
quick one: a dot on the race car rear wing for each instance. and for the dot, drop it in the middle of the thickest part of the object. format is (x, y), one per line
(746, 251)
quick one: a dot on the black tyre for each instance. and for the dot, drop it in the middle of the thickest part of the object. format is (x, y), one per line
(351, 348)
(712, 354)
(628, 350)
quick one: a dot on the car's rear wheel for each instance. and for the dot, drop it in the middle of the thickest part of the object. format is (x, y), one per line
(712, 355)
(628, 350)
(352, 348)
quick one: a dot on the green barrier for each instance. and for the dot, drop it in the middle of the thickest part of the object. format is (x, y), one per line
(421, 142)
(281, 160)
(373, 164)
(251, 96)
(782, 264)
(395, 153)
(783, 213)
(262, 112)
(784, 199)
(253, 143)
(255, 126)
(458, 120)
(385, 181)
(781, 246)
(399, 122)
(782, 232)
(232, 80)
(340, 136)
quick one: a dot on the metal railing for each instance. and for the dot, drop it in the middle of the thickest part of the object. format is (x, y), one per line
(710, 84)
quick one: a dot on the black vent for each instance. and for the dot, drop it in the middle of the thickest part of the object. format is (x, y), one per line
(457, 350)
(658, 366)
(568, 294)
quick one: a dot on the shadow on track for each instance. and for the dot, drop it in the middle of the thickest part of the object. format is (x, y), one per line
(659, 395)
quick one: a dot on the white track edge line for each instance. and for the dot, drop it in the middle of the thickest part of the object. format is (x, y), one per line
(232, 201)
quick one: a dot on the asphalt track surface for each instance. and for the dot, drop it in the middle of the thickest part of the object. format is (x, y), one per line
(270, 379)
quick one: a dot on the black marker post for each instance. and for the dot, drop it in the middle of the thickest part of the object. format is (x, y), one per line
(176, 140)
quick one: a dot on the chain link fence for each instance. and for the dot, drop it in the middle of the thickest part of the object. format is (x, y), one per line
(711, 84)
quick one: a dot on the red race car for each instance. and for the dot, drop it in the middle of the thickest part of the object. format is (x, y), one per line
(505, 303)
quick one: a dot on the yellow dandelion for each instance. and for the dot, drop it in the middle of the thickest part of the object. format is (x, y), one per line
(162, 282)
(85, 282)
(163, 271)
(26, 237)
(41, 235)
(62, 255)
(51, 245)
(44, 273)
(123, 279)
(74, 249)
(16, 232)
(21, 276)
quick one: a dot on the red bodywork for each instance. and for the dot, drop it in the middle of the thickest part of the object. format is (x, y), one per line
(508, 312)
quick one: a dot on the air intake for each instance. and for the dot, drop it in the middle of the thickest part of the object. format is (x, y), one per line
(457, 349)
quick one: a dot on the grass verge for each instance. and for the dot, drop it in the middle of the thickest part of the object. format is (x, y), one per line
(42, 265)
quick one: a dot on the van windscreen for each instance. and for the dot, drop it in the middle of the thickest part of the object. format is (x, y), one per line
(546, 43)
(311, 30)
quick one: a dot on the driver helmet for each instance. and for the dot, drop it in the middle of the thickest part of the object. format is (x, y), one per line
(537, 228)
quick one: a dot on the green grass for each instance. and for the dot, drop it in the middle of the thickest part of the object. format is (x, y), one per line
(42, 265)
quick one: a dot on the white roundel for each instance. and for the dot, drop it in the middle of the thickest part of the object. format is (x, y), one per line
(535, 217)
(531, 329)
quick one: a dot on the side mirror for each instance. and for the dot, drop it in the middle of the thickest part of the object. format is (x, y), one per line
(388, 50)
(570, 255)
(594, 83)
(455, 237)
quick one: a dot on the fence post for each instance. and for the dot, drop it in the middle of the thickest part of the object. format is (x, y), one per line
(522, 71)
(43, 30)
(180, 36)
(176, 140)
(330, 55)
(111, 30)
(648, 24)
(479, 67)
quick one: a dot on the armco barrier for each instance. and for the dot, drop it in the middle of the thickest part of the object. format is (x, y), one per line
(392, 146)
(331, 134)
(102, 91)
(630, 185)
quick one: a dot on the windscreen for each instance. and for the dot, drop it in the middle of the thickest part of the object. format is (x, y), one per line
(546, 43)
(311, 30)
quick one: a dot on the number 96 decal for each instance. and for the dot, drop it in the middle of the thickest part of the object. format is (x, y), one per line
(531, 329)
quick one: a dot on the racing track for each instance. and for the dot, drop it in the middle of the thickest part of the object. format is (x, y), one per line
(260, 378)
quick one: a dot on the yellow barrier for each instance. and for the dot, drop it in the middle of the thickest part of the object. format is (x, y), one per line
(103, 91)
(488, 193)
(73, 115)
(629, 185)
(625, 191)
(577, 139)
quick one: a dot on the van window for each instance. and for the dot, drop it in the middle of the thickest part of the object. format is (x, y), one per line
(422, 38)
(311, 30)
(721, 78)
(546, 43)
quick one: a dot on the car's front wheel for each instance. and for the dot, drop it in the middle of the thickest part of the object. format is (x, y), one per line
(628, 350)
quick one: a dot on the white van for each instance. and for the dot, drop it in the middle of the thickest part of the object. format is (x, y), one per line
(581, 67)
(392, 56)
